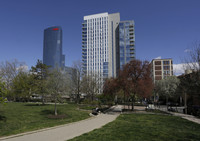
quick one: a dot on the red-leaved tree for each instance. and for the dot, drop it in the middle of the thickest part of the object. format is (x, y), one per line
(135, 80)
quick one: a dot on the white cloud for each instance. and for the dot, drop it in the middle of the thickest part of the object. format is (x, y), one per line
(159, 57)
(23, 68)
(178, 69)
(187, 50)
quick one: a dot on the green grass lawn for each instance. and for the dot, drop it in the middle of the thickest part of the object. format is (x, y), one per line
(145, 127)
(21, 117)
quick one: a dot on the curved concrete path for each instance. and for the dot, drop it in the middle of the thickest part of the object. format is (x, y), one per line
(64, 132)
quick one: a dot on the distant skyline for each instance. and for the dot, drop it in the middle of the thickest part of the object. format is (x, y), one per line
(165, 28)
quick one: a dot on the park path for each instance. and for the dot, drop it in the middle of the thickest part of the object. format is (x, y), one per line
(64, 132)
(185, 116)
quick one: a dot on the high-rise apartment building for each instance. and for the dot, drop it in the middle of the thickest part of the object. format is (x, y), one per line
(126, 42)
(161, 68)
(52, 50)
(107, 44)
(99, 44)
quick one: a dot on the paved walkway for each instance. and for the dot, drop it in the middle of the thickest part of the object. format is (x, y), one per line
(185, 116)
(64, 132)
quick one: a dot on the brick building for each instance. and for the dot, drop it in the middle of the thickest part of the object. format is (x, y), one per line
(161, 68)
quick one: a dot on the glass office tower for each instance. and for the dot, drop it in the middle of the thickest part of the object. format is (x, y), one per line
(126, 42)
(52, 50)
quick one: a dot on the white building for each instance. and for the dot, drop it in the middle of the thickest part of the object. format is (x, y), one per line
(100, 45)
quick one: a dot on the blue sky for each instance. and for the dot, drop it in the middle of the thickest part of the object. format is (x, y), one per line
(163, 28)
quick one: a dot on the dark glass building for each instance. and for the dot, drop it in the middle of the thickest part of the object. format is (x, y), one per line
(126, 42)
(52, 51)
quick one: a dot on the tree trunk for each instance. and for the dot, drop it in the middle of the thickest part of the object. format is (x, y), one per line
(124, 100)
(55, 109)
(185, 103)
(77, 98)
(133, 103)
(167, 102)
(43, 99)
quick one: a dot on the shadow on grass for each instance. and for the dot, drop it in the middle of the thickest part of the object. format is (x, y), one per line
(34, 104)
(51, 115)
(47, 112)
(3, 118)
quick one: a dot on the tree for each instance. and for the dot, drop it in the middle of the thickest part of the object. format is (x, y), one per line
(192, 61)
(57, 85)
(40, 73)
(124, 84)
(76, 80)
(90, 85)
(22, 86)
(3, 92)
(9, 70)
(190, 83)
(110, 89)
(167, 87)
(135, 80)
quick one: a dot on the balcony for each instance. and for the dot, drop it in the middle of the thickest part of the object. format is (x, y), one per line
(84, 49)
(84, 59)
(131, 30)
(131, 26)
(132, 57)
(84, 54)
(84, 42)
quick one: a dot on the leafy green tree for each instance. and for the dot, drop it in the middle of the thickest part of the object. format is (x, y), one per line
(40, 73)
(22, 86)
(3, 92)
(8, 71)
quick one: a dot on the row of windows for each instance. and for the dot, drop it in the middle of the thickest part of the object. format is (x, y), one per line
(97, 19)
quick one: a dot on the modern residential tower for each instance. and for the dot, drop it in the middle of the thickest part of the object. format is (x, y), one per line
(126, 42)
(107, 44)
(52, 50)
(99, 44)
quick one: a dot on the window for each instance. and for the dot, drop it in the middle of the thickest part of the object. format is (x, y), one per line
(166, 67)
(166, 62)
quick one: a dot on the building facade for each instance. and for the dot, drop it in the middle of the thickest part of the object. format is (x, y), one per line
(107, 44)
(52, 50)
(161, 68)
(126, 42)
(99, 45)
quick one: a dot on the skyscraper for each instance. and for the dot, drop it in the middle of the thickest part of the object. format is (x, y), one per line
(126, 42)
(107, 44)
(52, 50)
(99, 44)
